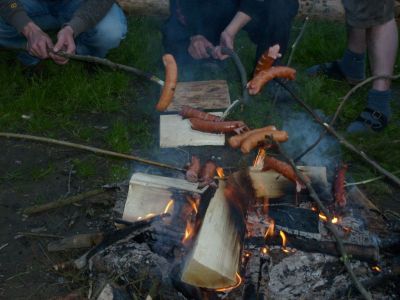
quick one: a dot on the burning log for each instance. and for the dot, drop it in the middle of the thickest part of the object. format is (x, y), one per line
(217, 268)
(362, 252)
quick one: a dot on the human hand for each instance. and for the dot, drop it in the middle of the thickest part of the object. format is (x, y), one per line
(198, 47)
(38, 43)
(65, 42)
(226, 41)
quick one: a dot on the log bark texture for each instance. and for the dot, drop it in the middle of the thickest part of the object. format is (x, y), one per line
(321, 9)
(145, 7)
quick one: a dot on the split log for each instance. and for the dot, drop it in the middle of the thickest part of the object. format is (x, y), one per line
(150, 194)
(214, 260)
(273, 185)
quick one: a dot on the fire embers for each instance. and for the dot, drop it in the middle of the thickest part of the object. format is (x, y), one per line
(204, 175)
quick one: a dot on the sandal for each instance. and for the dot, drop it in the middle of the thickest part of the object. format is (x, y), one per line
(369, 119)
(331, 70)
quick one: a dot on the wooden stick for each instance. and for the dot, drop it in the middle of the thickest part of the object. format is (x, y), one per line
(112, 65)
(242, 72)
(341, 139)
(40, 235)
(331, 227)
(87, 148)
(61, 202)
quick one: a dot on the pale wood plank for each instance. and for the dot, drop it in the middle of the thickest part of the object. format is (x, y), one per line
(176, 132)
(211, 94)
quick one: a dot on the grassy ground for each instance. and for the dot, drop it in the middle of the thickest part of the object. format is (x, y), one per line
(116, 111)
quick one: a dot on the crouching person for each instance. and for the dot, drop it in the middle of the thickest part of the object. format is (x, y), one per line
(87, 27)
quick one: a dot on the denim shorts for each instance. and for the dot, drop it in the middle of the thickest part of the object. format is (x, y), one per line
(368, 13)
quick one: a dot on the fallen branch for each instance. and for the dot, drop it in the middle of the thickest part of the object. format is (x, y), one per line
(61, 202)
(331, 227)
(339, 109)
(39, 235)
(87, 148)
(369, 180)
(341, 139)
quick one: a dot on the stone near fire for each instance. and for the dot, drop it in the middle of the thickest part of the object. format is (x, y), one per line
(214, 260)
(176, 132)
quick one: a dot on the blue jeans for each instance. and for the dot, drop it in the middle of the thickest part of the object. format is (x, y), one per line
(50, 15)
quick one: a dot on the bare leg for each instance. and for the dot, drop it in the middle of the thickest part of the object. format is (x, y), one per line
(356, 40)
(382, 46)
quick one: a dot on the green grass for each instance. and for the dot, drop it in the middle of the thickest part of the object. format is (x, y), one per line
(115, 110)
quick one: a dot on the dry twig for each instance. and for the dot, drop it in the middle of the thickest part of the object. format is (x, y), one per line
(331, 227)
(87, 148)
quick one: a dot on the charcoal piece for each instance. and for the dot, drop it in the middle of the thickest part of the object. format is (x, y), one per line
(295, 218)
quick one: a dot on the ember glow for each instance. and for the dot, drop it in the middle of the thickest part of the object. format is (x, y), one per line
(169, 205)
(334, 220)
(259, 161)
(264, 250)
(271, 230)
(220, 172)
(238, 283)
(323, 217)
(283, 236)
(376, 269)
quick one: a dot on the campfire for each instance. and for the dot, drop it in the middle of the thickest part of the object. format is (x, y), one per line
(237, 236)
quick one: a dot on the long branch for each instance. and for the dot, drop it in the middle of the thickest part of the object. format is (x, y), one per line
(341, 139)
(112, 65)
(340, 107)
(87, 148)
(331, 227)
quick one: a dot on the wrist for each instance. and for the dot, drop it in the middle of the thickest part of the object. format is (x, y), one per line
(196, 37)
(68, 29)
(29, 29)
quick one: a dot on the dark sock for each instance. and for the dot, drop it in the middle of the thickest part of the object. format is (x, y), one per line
(380, 101)
(353, 65)
(377, 101)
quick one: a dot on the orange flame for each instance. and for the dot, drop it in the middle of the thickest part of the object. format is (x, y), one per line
(283, 236)
(313, 208)
(194, 206)
(238, 283)
(220, 172)
(264, 250)
(334, 220)
(259, 161)
(169, 205)
(188, 232)
(271, 230)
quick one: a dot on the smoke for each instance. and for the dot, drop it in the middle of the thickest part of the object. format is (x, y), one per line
(303, 132)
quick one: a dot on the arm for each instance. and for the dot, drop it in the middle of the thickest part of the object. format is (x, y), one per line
(14, 14)
(89, 14)
(228, 35)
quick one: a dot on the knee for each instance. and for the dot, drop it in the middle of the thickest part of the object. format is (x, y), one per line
(112, 29)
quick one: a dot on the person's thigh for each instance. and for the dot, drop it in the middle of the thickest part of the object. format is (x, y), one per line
(368, 13)
(106, 35)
